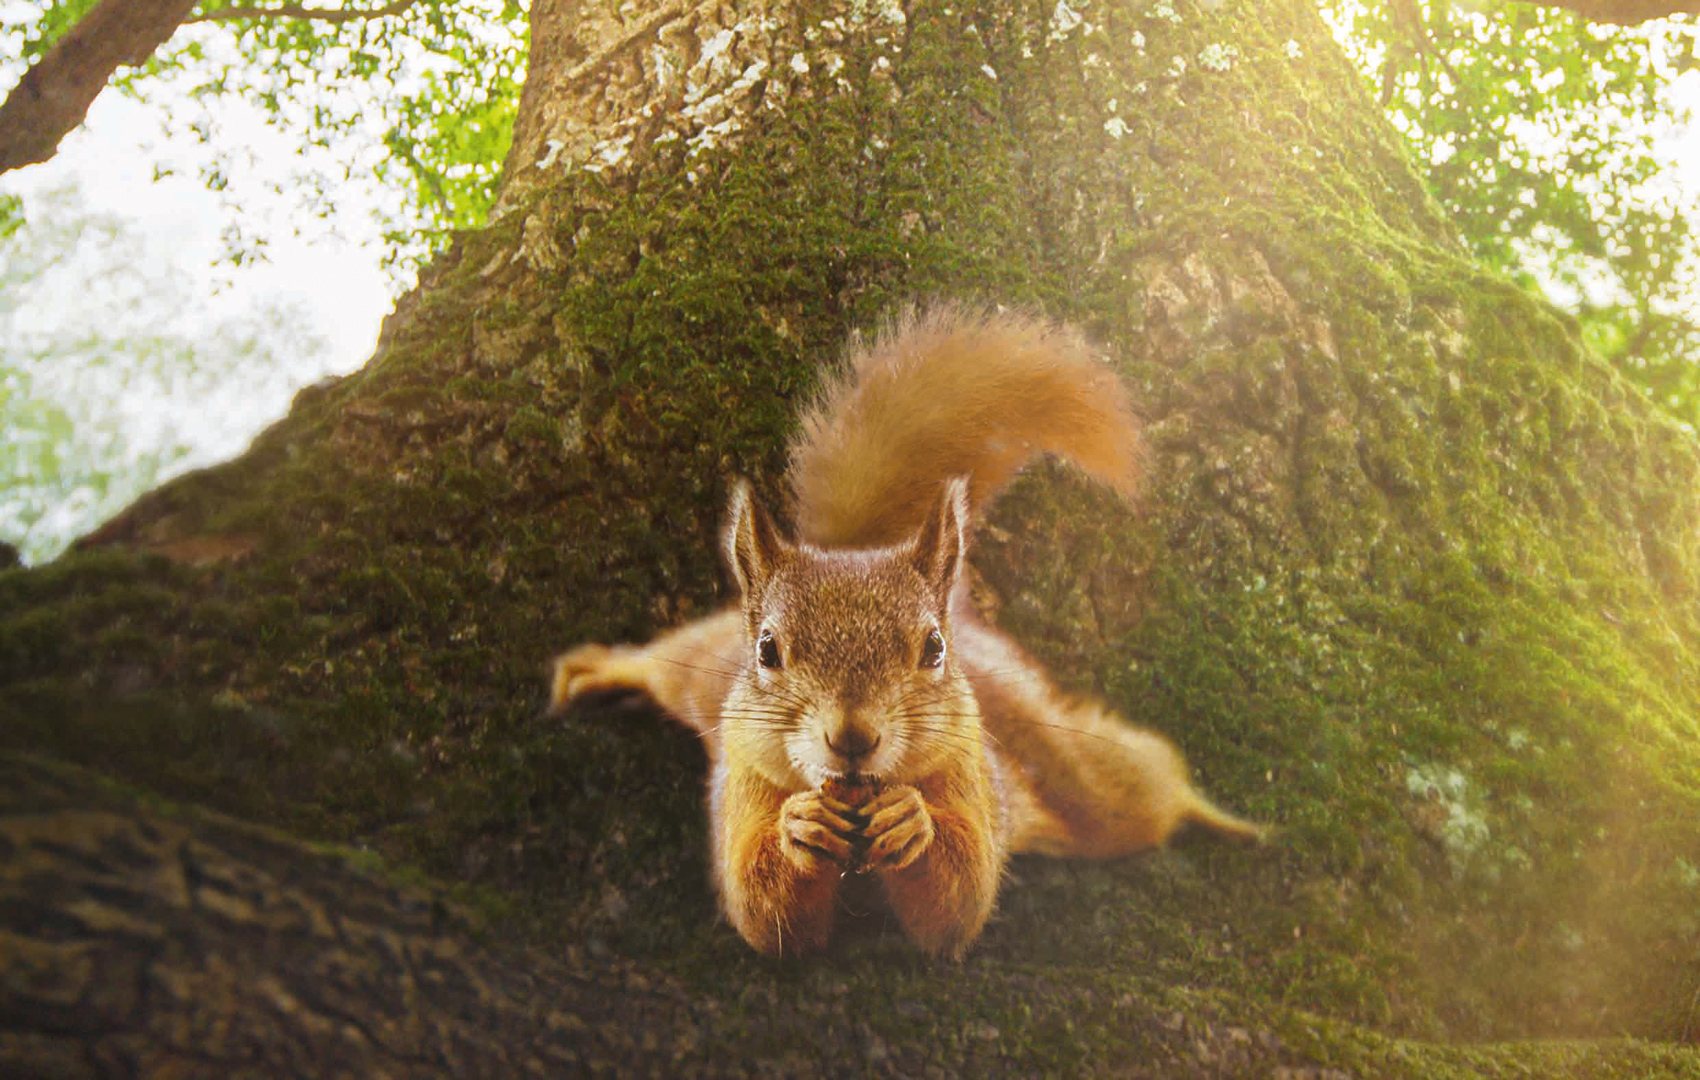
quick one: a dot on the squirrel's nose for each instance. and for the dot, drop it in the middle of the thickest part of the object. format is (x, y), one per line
(852, 742)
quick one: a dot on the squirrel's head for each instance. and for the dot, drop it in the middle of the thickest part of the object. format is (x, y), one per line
(847, 669)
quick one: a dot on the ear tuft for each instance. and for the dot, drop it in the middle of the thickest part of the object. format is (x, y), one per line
(939, 547)
(751, 543)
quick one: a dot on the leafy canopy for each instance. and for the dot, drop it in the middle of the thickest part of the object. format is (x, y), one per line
(1541, 134)
(1538, 130)
(411, 98)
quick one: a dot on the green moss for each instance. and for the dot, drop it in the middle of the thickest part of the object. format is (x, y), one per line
(1414, 576)
(529, 425)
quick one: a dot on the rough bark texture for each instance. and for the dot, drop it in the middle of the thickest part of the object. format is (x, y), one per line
(1416, 579)
(1625, 12)
(55, 93)
(137, 941)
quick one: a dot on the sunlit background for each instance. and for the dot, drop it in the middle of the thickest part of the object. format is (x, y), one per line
(237, 224)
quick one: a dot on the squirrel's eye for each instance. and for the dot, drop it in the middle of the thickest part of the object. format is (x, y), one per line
(932, 649)
(767, 650)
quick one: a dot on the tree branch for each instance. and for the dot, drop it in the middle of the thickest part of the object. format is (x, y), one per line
(298, 11)
(54, 96)
(1624, 12)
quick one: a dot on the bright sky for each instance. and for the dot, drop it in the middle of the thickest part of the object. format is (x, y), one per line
(331, 286)
(336, 279)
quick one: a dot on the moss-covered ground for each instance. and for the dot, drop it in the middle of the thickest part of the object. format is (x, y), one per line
(1414, 577)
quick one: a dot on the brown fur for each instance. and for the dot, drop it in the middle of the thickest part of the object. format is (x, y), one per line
(835, 744)
(953, 391)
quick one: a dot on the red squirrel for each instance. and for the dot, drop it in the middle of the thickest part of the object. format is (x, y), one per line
(857, 713)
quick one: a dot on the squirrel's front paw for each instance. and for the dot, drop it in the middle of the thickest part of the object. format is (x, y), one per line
(591, 669)
(899, 829)
(816, 829)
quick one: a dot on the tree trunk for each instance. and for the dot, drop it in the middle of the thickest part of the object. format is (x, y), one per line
(1415, 580)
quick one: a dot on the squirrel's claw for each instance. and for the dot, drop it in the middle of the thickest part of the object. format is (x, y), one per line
(899, 829)
(813, 828)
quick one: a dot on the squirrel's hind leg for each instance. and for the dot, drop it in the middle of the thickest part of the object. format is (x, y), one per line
(1135, 788)
(1081, 780)
(687, 671)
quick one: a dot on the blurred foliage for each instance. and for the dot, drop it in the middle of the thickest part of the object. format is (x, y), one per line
(1541, 134)
(11, 214)
(112, 375)
(416, 98)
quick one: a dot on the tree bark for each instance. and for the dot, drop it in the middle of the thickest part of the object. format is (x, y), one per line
(1624, 12)
(136, 942)
(1415, 578)
(55, 93)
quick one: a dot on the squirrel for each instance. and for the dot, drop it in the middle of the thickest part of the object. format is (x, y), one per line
(859, 717)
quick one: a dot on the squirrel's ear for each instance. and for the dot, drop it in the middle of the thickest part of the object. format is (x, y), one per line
(943, 539)
(750, 541)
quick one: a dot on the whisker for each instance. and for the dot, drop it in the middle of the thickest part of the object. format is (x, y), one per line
(731, 672)
(931, 722)
(961, 737)
(1009, 721)
(778, 722)
(791, 707)
(1111, 739)
(922, 711)
(1011, 675)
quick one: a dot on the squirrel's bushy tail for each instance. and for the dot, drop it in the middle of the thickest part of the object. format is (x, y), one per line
(953, 391)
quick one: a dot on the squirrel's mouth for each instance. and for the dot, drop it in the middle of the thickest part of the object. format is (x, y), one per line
(848, 781)
(852, 778)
